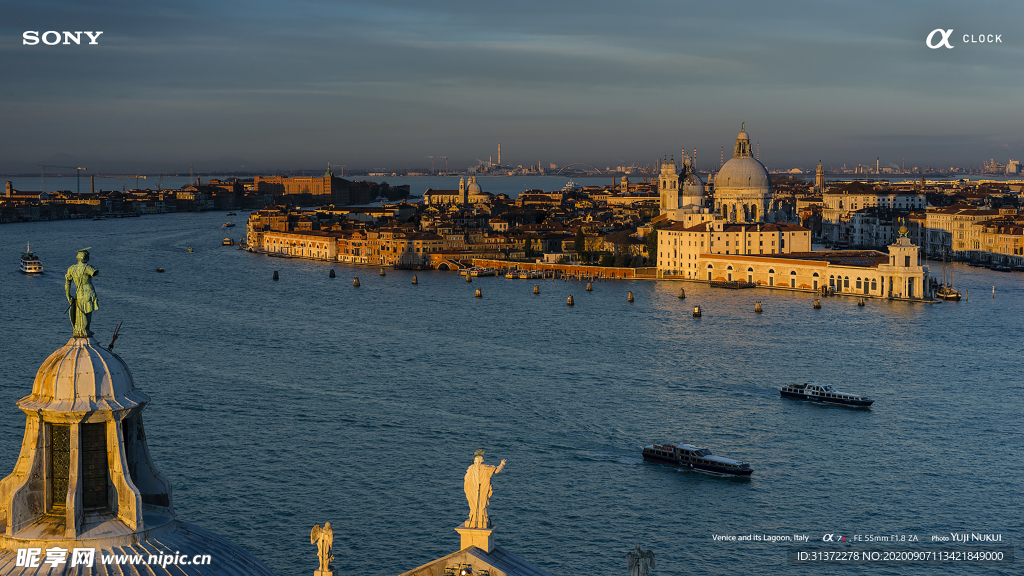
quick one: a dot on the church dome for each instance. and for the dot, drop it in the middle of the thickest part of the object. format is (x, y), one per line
(743, 172)
(474, 188)
(82, 376)
(692, 185)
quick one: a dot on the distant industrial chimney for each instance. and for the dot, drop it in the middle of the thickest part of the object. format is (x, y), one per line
(499, 154)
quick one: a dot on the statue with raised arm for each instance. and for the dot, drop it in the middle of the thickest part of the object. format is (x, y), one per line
(324, 540)
(478, 490)
(84, 303)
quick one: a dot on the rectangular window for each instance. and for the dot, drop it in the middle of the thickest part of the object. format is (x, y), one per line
(60, 465)
(94, 465)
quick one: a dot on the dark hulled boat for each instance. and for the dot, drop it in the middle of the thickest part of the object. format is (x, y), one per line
(824, 393)
(696, 458)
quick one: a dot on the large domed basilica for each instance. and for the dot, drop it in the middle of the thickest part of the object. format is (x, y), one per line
(742, 188)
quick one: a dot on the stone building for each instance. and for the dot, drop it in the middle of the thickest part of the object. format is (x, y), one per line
(743, 190)
(85, 497)
(681, 248)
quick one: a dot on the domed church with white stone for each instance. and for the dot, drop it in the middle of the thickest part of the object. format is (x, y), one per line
(742, 188)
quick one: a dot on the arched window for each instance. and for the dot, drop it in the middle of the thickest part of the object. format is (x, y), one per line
(815, 274)
(832, 281)
(710, 266)
(858, 282)
(729, 267)
(846, 282)
(750, 269)
(874, 284)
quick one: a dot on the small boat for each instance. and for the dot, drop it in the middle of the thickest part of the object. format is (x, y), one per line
(228, 242)
(160, 270)
(98, 218)
(512, 273)
(482, 271)
(190, 250)
(30, 262)
(231, 214)
(228, 225)
(946, 292)
(824, 393)
(696, 458)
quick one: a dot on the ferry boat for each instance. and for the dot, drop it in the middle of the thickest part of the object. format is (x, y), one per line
(30, 262)
(482, 271)
(696, 458)
(228, 225)
(512, 273)
(824, 393)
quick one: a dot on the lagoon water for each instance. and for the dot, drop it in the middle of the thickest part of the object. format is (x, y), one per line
(280, 405)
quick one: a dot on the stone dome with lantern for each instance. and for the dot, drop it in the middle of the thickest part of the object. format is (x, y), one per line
(85, 496)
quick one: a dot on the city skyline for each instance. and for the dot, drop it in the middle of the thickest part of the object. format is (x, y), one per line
(284, 86)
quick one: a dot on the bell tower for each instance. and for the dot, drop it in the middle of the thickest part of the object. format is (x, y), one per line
(668, 186)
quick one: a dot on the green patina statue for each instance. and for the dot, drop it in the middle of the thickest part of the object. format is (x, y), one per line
(84, 302)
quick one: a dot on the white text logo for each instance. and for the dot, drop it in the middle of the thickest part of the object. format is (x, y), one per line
(945, 38)
(53, 37)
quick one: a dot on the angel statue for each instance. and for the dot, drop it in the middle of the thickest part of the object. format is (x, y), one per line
(324, 539)
(639, 561)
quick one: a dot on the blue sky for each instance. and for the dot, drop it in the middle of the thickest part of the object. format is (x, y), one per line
(278, 85)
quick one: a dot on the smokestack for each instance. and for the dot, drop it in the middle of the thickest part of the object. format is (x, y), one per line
(499, 154)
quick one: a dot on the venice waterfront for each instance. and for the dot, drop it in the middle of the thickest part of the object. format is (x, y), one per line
(280, 405)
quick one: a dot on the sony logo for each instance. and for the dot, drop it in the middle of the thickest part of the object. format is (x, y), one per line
(52, 37)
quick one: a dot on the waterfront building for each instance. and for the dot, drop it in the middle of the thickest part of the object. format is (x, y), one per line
(1000, 239)
(742, 188)
(840, 203)
(326, 189)
(863, 272)
(314, 244)
(681, 248)
(949, 229)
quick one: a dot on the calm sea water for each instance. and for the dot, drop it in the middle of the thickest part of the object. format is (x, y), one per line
(280, 405)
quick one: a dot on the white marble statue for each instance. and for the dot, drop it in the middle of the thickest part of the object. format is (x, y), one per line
(324, 539)
(478, 490)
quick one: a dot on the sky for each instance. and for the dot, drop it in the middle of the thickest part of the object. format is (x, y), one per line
(269, 85)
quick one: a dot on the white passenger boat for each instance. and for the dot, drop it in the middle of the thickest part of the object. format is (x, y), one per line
(696, 458)
(29, 262)
(824, 393)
